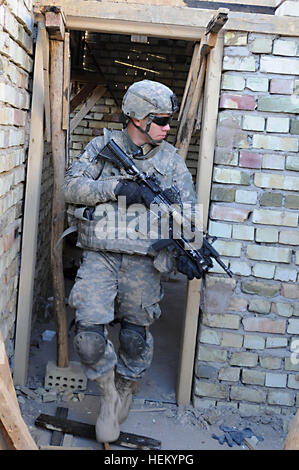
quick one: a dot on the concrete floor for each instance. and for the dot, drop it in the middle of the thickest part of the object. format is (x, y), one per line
(154, 411)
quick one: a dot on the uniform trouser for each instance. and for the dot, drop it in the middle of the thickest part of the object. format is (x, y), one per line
(127, 287)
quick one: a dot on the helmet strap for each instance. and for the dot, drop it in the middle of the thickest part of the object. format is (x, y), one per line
(148, 125)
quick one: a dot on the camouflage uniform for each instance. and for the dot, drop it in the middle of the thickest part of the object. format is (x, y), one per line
(119, 277)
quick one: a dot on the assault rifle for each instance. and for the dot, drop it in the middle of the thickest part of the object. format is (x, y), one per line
(166, 200)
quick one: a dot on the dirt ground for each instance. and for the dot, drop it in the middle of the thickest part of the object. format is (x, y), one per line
(154, 412)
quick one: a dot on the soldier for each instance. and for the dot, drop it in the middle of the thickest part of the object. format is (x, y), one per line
(120, 276)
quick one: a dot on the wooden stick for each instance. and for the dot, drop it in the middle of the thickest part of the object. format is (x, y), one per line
(211, 96)
(31, 218)
(14, 433)
(292, 439)
(66, 83)
(193, 70)
(58, 207)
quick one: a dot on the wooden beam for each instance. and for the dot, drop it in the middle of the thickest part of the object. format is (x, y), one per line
(164, 20)
(204, 175)
(208, 129)
(195, 81)
(98, 92)
(45, 42)
(292, 439)
(55, 23)
(58, 205)
(31, 218)
(83, 94)
(14, 434)
(66, 82)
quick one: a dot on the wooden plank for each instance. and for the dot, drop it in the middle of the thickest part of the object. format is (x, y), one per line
(14, 433)
(196, 81)
(83, 94)
(57, 436)
(260, 9)
(204, 174)
(208, 130)
(292, 439)
(98, 92)
(12, 426)
(192, 74)
(58, 205)
(188, 342)
(88, 431)
(164, 20)
(31, 218)
(5, 373)
(45, 42)
(55, 23)
(187, 124)
(66, 82)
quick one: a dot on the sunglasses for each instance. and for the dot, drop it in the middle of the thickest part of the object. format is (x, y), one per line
(162, 121)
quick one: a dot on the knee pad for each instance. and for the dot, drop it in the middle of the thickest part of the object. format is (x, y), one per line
(132, 339)
(90, 343)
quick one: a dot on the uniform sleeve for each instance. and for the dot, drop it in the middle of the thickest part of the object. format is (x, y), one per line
(182, 179)
(82, 183)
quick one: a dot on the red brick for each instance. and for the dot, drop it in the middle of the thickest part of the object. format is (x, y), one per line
(250, 159)
(233, 214)
(281, 86)
(231, 101)
(291, 291)
(264, 325)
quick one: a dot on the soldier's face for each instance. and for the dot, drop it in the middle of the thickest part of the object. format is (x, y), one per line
(156, 132)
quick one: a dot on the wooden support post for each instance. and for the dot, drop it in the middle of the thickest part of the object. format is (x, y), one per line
(31, 217)
(195, 81)
(292, 440)
(204, 174)
(45, 43)
(14, 434)
(58, 208)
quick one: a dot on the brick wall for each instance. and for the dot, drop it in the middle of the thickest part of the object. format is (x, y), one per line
(16, 25)
(245, 356)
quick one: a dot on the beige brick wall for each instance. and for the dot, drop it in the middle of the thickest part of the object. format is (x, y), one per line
(16, 26)
(248, 350)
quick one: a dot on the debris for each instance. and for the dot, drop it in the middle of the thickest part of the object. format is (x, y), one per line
(48, 335)
(148, 409)
(49, 396)
(233, 435)
(76, 428)
(251, 442)
(27, 392)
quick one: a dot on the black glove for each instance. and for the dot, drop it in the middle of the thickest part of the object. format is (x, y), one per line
(185, 266)
(135, 193)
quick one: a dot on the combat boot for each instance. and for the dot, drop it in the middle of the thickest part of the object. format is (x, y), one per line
(125, 390)
(107, 425)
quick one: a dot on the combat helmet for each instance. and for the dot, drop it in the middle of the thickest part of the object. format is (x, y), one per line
(148, 98)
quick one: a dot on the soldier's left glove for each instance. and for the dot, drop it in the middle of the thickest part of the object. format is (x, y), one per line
(134, 193)
(185, 266)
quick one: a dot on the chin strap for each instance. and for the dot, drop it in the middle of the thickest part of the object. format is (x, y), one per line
(145, 132)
